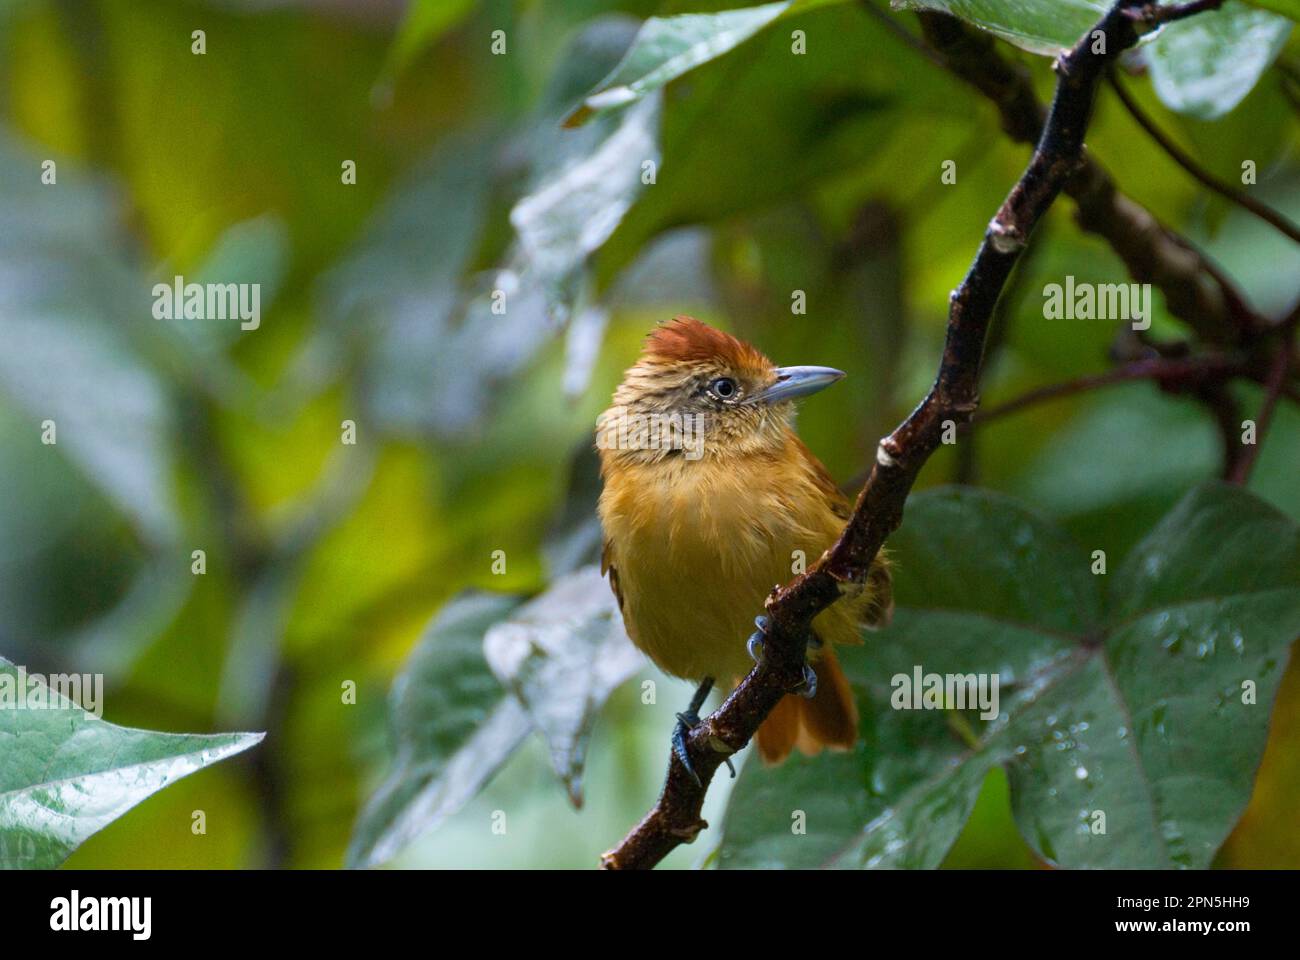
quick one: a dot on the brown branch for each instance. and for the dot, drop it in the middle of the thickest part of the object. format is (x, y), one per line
(675, 818)
(1185, 160)
(1196, 291)
(967, 467)
(1223, 408)
(1172, 375)
(1273, 390)
(1153, 14)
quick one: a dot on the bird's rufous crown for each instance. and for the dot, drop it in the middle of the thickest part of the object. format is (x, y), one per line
(687, 340)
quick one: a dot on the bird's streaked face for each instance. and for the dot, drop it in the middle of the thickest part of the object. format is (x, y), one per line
(699, 392)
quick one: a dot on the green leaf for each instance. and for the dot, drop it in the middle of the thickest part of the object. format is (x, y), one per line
(577, 204)
(1203, 65)
(574, 538)
(668, 47)
(70, 309)
(65, 774)
(1073, 475)
(1131, 705)
(436, 345)
(454, 724)
(425, 22)
(1206, 64)
(562, 654)
(1040, 26)
(1288, 8)
(818, 118)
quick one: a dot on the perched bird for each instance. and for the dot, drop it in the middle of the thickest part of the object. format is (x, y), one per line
(710, 500)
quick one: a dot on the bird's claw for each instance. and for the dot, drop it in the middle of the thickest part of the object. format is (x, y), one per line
(755, 642)
(808, 689)
(687, 721)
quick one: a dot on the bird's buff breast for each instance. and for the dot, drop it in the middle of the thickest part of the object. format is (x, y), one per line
(697, 550)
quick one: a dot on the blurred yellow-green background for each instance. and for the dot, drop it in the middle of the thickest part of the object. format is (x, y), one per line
(325, 561)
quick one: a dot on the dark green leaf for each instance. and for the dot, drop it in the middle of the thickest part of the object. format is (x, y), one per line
(818, 117)
(1040, 26)
(69, 308)
(668, 47)
(455, 726)
(562, 654)
(1203, 65)
(1135, 712)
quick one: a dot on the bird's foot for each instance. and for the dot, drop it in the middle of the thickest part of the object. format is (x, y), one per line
(808, 688)
(687, 721)
(755, 643)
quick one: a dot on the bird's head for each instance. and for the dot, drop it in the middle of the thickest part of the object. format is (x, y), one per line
(698, 392)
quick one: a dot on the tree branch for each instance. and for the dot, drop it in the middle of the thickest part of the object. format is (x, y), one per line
(1175, 375)
(1153, 14)
(1273, 389)
(1184, 160)
(675, 818)
(1196, 291)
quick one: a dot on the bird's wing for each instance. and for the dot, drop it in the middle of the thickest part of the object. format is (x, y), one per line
(839, 503)
(607, 566)
(874, 606)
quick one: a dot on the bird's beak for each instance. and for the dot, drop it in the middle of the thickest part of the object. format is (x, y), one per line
(794, 382)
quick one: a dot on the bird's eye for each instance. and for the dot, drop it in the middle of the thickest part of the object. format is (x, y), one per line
(724, 388)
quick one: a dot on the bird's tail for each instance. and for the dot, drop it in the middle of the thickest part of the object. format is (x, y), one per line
(830, 719)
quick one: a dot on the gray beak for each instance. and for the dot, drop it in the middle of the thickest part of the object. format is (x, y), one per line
(794, 382)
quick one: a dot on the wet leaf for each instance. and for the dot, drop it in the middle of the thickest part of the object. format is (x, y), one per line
(438, 344)
(562, 654)
(577, 204)
(665, 48)
(1203, 65)
(69, 310)
(1206, 64)
(454, 725)
(1039, 26)
(814, 117)
(1124, 712)
(65, 774)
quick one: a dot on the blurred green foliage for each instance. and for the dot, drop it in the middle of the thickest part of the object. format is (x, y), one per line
(326, 562)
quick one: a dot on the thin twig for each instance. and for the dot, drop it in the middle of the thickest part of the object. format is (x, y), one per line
(1153, 14)
(967, 455)
(1272, 392)
(675, 818)
(1224, 409)
(1170, 374)
(1196, 291)
(1185, 160)
(897, 29)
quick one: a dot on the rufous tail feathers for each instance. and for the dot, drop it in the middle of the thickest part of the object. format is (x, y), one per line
(830, 719)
